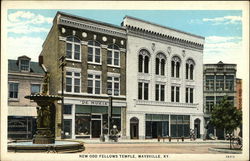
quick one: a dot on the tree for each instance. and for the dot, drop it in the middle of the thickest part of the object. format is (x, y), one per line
(226, 116)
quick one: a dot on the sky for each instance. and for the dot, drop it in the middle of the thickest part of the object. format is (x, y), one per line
(222, 29)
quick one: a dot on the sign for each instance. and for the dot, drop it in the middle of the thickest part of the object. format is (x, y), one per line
(94, 103)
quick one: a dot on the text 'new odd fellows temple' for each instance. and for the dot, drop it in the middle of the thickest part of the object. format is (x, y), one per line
(149, 77)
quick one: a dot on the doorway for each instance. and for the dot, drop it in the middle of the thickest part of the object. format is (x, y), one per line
(134, 128)
(197, 127)
(96, 125)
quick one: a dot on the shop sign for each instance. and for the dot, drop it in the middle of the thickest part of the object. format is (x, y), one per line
(94, 103)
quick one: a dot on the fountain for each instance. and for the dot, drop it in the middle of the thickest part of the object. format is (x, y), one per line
(44, 138)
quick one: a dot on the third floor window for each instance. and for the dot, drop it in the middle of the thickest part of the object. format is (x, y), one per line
(113, 55)
(143, 63)
(73, 48)
(94, 52)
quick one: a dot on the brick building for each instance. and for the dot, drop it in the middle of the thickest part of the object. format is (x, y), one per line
(219, 80)
(95, 72)
(24, 78)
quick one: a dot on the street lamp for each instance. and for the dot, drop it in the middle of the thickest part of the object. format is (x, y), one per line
(62, 65)
(110, 110)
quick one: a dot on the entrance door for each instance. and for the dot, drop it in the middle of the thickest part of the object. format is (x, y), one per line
(197, 128)
(134, 128)
(96, 125)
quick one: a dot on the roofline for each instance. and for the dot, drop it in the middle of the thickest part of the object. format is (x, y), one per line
(91, 20)
(164, 26)
(221, 64)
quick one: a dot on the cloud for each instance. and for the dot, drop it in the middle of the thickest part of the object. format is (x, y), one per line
(224, 20)
(225, 49)
(22, 22)
(30, 46)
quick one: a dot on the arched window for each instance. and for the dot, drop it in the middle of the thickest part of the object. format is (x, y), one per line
(143, 63)
(94, 52)
(190, 69)
(113, 55)
(160, 64)
(73, 48)
(175, 67)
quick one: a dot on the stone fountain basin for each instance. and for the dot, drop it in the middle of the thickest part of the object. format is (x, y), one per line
(60, 146)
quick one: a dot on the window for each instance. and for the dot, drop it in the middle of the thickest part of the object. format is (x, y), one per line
(113, 55)
(142, 91)
(219, 82)
(143, 66)
(159, 92)
(209, 86)
(24, 65)
(94, 52)
(73, 81)
(35, 89)
(13, 90)
(175, 94)
(189, 95)
(67, 109)
(73, 48)
(113, 85)
(94, 84)
(229, 86)
(160, 64)
(175, 67)
(209, 104)
(190, 69)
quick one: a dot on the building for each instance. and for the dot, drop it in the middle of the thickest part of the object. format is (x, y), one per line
(24, 78)
(239, 93)
(164, 82)
(219, 80)
(95, 75)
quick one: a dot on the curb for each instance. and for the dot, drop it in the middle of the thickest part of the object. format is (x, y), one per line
(225, 150)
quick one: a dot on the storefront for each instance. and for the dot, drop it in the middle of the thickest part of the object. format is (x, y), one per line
(90, 120)
(167, 125)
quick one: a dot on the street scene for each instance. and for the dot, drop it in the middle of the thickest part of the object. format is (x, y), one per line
(125, 82)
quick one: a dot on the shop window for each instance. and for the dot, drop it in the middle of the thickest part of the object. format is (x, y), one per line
(180, 125)
(113, 86)
(94, 52)
(142, 91)
(82, 125)
(67, 109)
(35, 89)
(113, 55)
(13, 90)
(73, 48)
(94, 84)
(73, 81)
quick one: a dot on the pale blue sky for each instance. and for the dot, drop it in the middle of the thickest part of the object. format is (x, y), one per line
(27, 29)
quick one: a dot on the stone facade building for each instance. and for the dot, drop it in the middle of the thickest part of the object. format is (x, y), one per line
(239, 93)
(95, 74)
(164, 82)
(24, 78)
(219, 80)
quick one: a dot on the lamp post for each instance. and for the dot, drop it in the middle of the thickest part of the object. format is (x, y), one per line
(62, 65)
(110, 110)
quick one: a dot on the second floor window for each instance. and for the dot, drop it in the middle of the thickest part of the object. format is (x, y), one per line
(143, 63)
(73, 48)
(175, 94)
(219, 82)
(35, 89)
(94, 52)
(189, 95)
(209, 86)
(113, 86)
(13, 90)
(142, 91)
(94, 84)
(113, 55)
(73, 81)
(159, 92)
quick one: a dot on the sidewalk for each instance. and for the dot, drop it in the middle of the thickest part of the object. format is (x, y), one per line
(152, 141)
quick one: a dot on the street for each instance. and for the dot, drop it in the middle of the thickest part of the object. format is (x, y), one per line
(151, 148)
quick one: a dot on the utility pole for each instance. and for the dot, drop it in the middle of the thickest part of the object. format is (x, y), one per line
(62, 65)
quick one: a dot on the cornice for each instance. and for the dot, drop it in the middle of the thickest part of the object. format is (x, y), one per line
(155, 36)
(91, 27)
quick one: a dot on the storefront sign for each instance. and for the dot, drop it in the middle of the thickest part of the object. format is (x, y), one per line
(94, 103)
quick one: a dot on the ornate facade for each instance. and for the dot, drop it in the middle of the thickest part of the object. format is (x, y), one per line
(164, 96)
